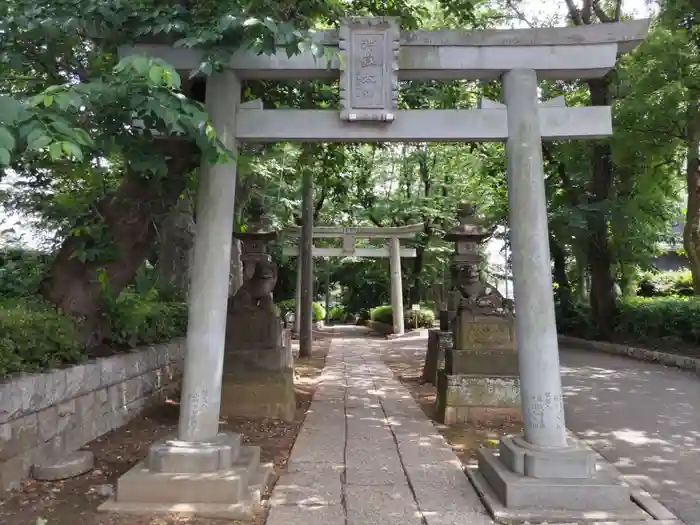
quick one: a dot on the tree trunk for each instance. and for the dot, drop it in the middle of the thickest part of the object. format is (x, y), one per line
(128, 219)
(560, 276)
(176, 239)
(691, 230)
(417, 289)
(600, 258)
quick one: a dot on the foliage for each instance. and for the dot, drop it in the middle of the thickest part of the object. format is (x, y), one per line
(663, 284)
(657, 318)
(21, 272)
(137, 319)
(289, 305)
(337, 314)
(34, 337)
(423, 318)
(641, 319)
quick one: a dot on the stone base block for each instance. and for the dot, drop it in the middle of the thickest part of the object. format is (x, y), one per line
(439, 342)
(574, 462)
(256, 394)
(176, 457)
(229, 493)
(516, 498)
(68, 466)
(477, 398)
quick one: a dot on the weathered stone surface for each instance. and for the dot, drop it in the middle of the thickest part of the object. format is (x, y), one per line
(466, 398)
(306, 515)
(46, 416)
(309, 486)
(18, 436)
(368, 79)
(488, 332)
(258, 394)
(492, 362)
(68, 466)
(390, 505)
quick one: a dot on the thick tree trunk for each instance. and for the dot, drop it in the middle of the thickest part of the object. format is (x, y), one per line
(128, 220)
(691, 230)
(176, 239)
(600, 258)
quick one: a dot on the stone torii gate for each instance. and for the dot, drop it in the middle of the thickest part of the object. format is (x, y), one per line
(350, 236)
(540, 475)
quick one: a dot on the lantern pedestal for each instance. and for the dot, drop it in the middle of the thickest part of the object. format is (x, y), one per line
(480, 378)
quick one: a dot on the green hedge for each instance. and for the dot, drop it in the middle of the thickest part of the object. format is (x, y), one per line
(663, 317)
(289, 305)
(385, 314)
(34, 337)
(640, 319)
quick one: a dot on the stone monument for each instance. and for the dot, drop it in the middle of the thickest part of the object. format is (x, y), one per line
(258, 378)
(480, 379)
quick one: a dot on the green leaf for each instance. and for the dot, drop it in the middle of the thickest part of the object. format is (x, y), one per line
(47, 100)
(56, 150)
(7, 139)
(40, 141)
(5, 157)
(72, 149)
(155, 74)
(141, 64)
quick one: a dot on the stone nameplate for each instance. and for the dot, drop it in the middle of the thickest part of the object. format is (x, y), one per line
(368, 72)
(484, 332)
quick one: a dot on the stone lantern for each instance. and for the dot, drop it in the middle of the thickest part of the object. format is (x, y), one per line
(258, 379)
(255, 240)
(480, 378)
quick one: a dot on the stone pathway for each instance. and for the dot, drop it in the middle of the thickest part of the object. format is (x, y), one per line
(367, 454)
(642, 417)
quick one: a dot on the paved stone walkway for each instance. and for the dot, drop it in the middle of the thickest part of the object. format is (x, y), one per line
(642, 417)
(367, 454)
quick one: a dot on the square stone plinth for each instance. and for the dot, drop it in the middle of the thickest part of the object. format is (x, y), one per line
(516, 498)
(477, 398)
(255, 393)
(232, 493)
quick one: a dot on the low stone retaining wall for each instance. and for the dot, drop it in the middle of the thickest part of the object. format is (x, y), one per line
(642, 354)
(43, 416)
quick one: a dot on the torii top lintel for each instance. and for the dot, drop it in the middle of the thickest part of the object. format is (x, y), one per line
(401, 232)
(557, 53)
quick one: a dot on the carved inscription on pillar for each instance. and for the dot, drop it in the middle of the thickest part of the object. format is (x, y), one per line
(368, 71)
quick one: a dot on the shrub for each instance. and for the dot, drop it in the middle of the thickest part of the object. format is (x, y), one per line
(21, 272)
(286, 306)
(382, 314)
(337, 314)
(319, 312)
(424, 317)
(663, 317)
(665, 284)
(35, 337)
(385, 314)
(289, 305)
(137, 319)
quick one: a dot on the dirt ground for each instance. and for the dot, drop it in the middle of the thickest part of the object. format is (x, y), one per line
(75, 501)
(407, 366)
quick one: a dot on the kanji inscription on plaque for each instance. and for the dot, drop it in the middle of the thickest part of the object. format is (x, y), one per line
(368, 77)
